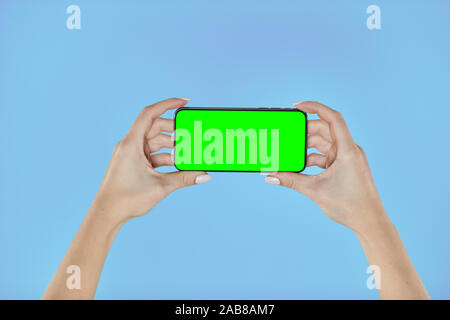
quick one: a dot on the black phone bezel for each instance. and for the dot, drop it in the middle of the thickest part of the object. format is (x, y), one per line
(240, 109)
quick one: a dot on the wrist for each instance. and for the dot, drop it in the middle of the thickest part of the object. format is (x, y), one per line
(106, 215)
(370, 218)
(377, 229)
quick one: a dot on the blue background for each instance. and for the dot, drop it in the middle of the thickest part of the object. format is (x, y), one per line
(67, 96)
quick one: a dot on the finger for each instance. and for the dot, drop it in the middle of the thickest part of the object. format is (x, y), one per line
(180, 179)
(148, 114)
(300, 182)
(160, 125)
(338, 128)
(318, 160)
(161, 159)
(160, 141)
(319, 127)
(162, 106)
(319, 143)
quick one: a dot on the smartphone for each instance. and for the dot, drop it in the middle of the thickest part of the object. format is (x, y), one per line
(240, 139)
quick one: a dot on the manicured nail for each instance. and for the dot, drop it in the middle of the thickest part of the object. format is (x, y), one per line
(185, 99)
(298, 102)
(272, 180)
(202, 179)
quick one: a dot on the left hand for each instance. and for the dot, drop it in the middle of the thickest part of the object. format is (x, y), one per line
(132, 186)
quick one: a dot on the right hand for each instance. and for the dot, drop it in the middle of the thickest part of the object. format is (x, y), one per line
(345, 191)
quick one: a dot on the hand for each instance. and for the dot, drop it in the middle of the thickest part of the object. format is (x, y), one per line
(132, 186)
(345, 191)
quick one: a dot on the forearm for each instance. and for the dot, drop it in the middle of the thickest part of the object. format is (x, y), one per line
(383, 247)
(88, 251)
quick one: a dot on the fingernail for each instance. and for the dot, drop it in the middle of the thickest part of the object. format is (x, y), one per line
(185, 99)
(272, 180)
(298, 102)
(202, 179)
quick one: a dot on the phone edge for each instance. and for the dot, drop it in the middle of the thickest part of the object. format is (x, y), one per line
(240, 109)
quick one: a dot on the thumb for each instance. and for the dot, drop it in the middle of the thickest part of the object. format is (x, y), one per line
(297, 181)
(180, 179)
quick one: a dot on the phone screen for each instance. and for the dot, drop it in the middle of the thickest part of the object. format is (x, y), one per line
(232, 139)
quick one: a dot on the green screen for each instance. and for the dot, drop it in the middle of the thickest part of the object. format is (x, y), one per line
(240, 139)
